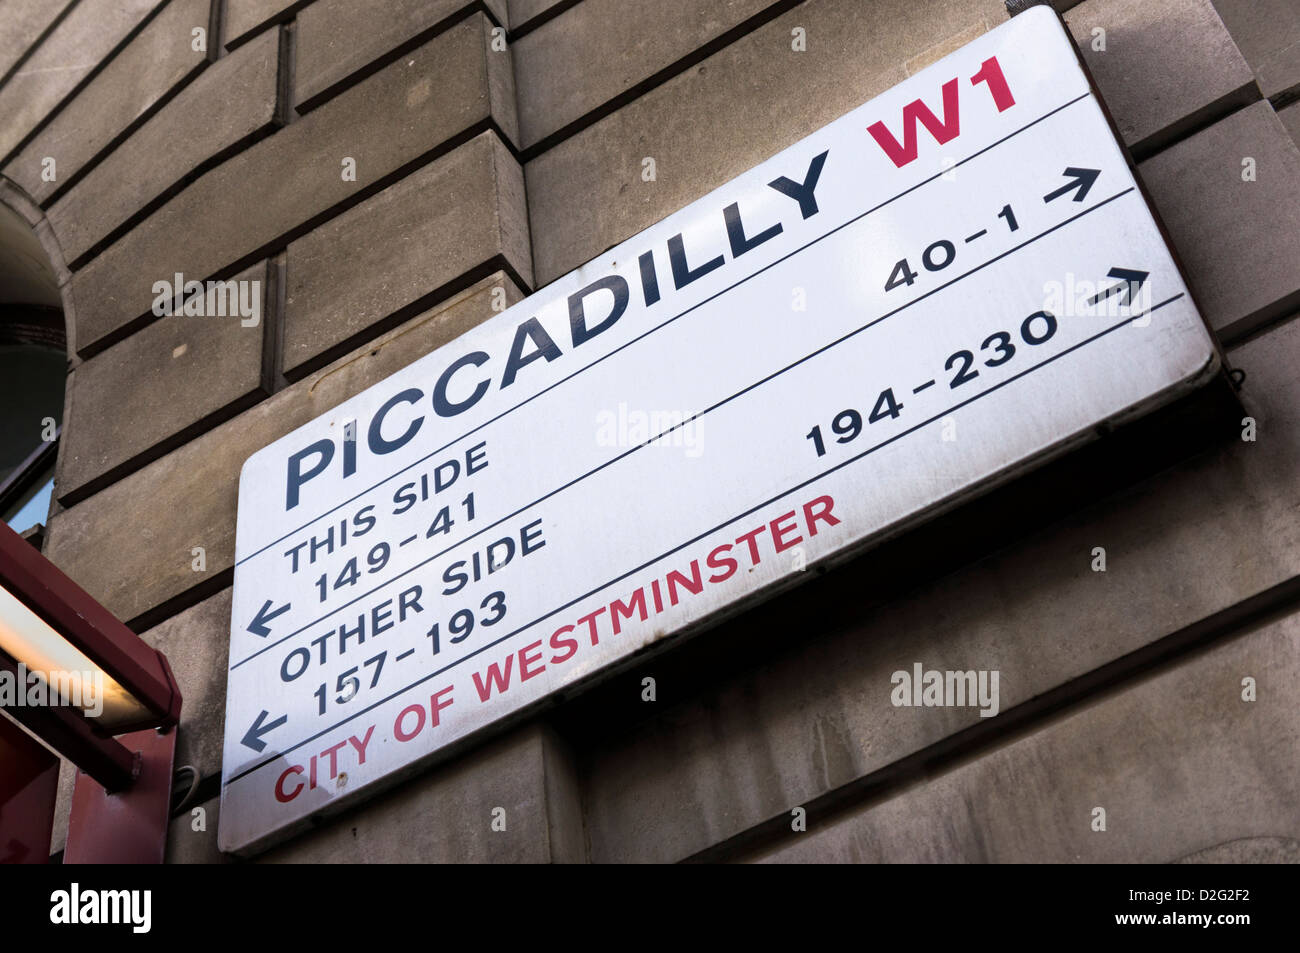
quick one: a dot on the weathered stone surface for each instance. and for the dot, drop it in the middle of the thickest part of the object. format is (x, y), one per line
(152, 65)
(454, 216)
(243, 17)
(1178, 761)
(1248, 850)
(1239, 237)
(524, 12)
(599, 49)
(948, 45)
(446, 815)
(63, 805)
(284, 182)
(176, 377)
(586, 194)
(1195, 541)
(196, 644)
(339, 38)
(25, 21)
(226, 105)
(185, 845)
(1168, 66)
(1290, 117)
(130, 544)
(71, 51)
(1268, 34)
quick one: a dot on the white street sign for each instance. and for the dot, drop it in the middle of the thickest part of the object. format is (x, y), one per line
(948, 285)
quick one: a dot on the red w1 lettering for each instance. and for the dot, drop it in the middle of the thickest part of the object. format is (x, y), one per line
(949, 127)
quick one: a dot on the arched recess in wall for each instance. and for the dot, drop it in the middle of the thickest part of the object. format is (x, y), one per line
(35, 348)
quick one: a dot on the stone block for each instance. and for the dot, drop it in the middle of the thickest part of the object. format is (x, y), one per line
(196, 643)
(1268, 34)
(1290, 117)
(226, 106)
(339, 41)
(1168, 66)
(525, 13)
(1179, 762)
(152, 65)
(244, 18)
(598, 50)
(152, 391)
(1230, 197)
(460, 215)
(25, 22)
(586, 194)
(67, 56)
(130, 545)
(287, 183)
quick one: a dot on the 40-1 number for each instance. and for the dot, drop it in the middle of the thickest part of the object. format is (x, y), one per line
(938, 255)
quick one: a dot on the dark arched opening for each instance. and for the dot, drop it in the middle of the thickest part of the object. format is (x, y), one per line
(33, 370)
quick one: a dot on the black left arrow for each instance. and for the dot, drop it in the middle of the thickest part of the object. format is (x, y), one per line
(265, 615)
(253, 736)
(1130, 284)
(1081, 182)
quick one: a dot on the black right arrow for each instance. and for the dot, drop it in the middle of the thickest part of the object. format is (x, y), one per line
(1130, 285)
(258, 625)
(253, 737)
(1081, 181)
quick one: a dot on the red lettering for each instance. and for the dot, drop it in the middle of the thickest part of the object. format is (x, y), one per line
(726, 565)
(918, 111)
(495, 676)
(362, 744)
(779, 531)
(334, 757)
(570, 646)
(591, 621)
(402, 735)
(436, 704)
(617, 608)
(749, 538)
(991, 73)
(284, 797)
(694, 585)
(819, 509)
(524, 661)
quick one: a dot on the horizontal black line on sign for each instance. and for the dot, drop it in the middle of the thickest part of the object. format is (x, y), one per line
(667, 322)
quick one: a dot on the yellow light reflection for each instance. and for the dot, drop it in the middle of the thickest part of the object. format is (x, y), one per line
(71, 677)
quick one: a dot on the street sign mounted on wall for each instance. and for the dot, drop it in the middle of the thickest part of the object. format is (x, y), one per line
(953, 283)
